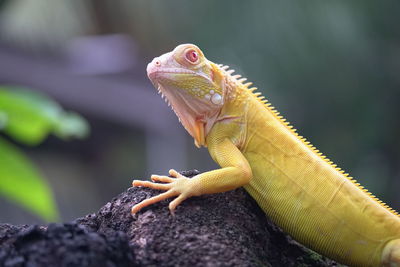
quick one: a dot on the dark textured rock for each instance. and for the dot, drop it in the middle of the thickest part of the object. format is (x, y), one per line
(226, 229)
(67, 244)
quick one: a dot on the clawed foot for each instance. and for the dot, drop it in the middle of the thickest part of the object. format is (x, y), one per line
(177, 185)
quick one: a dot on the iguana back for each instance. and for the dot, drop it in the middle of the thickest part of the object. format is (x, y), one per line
(296, 186)
(308, 197)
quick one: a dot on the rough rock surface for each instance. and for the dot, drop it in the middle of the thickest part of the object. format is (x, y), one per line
(226, 229)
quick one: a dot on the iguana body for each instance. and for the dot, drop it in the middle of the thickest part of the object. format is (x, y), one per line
(297, 187)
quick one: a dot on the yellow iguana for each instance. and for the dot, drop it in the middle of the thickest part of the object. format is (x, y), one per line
(296, 186)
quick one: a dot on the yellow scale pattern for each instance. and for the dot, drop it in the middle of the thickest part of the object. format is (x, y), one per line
(272, 109)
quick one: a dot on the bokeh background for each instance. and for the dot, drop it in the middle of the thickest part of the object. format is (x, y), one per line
(332, 68)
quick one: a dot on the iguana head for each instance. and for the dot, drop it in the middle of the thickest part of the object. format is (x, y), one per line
(193, 86)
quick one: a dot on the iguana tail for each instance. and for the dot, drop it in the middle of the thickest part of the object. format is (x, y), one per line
(391, 254)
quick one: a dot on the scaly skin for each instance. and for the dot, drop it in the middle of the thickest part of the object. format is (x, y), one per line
(295, 185)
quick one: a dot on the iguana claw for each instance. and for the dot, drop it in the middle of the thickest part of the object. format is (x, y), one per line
(175, 185)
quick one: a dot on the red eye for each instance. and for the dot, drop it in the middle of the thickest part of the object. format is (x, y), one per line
(192, 56)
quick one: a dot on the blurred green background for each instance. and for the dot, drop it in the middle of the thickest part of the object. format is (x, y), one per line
(332, 68)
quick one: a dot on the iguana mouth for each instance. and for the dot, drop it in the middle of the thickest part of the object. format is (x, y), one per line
(154, 73)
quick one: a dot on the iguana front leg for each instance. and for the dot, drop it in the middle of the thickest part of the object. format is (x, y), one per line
(235, 172)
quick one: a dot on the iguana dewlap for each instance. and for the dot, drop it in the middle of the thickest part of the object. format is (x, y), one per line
(296, 186)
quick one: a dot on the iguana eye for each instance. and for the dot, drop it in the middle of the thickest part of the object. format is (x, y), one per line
(192, 56)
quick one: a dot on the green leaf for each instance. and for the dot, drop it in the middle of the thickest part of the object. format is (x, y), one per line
(3, 120)
(71, 125)
(31, 117)
(21, 183)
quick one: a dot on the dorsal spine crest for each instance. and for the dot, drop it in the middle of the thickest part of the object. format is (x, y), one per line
(267, 105)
